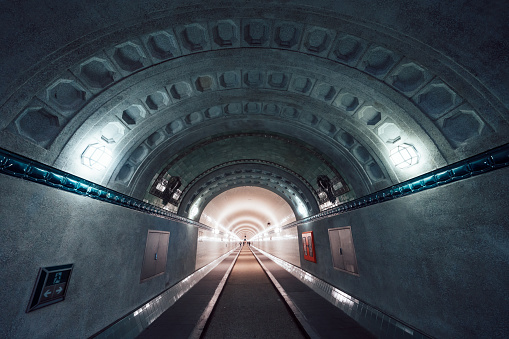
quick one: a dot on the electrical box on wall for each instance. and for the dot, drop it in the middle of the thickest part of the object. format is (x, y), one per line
(308, 246)
(50, 286)
(342, 250)
(156, 251)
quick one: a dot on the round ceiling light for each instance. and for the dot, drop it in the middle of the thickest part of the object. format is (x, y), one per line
(96, 156)
(404, 156)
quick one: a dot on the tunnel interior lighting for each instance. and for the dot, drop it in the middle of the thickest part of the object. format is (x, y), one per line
(96, 156)
(195, 209)
(193, 212)
(301, 208)
(404, 156)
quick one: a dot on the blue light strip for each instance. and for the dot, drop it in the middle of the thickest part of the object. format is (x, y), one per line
(478, 164)
(24, 168)
(21, 167)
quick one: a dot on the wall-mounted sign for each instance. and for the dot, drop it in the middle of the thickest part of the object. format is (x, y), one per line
(308, 246)
(50, 286)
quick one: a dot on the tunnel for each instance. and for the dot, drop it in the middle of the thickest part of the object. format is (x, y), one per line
(353, 153)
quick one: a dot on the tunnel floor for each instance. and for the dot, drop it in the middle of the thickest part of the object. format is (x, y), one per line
(250, 307)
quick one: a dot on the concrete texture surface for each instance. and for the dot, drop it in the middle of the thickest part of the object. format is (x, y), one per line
(437, 260)
(43, 226)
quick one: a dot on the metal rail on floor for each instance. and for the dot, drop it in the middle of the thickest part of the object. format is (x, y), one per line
(296, 311)
(132, 324)
(369, 317)
(200, 326)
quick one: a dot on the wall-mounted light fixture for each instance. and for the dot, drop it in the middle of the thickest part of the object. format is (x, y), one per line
(194, 211)
(404, 155)
(96, 156)
(301, 208)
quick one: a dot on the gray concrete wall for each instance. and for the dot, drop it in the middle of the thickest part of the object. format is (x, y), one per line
(284, 245)
(42, 226)
(210, 247)
(438, 260)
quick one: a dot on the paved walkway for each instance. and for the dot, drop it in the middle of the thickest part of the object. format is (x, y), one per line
(180, 320)
(250, 306)
(324, 319)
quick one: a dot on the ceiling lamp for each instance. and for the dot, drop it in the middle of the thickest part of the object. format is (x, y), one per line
(404, 155)
(96, 156)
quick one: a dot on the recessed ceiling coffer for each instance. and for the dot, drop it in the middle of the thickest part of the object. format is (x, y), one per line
(342, 250)
(154, 259)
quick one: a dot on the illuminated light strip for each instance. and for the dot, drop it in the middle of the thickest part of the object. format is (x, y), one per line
(218, 226)
(476, 165)
(31, 170)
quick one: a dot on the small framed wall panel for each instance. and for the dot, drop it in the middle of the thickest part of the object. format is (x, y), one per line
(342, 250)
(308, 245)
(156, 253)
(50, 286)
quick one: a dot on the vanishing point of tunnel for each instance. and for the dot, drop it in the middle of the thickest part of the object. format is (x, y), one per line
(254, 169)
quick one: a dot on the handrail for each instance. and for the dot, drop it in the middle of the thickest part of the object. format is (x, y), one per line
(21, 167)
(481, 163)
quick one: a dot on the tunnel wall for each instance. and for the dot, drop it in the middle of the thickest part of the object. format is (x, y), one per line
(42, 226)
(438, 260)
(284, 245)
(210, 247)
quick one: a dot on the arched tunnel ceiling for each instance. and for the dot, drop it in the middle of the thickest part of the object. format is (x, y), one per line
(176, 91)
(279, 156)
(300, 197)
(246, 211)
(268, 148)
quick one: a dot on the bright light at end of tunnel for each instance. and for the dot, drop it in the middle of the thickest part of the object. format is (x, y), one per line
(96, 156)
(404, 156)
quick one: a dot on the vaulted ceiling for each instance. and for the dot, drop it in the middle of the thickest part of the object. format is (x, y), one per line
(235, 94)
